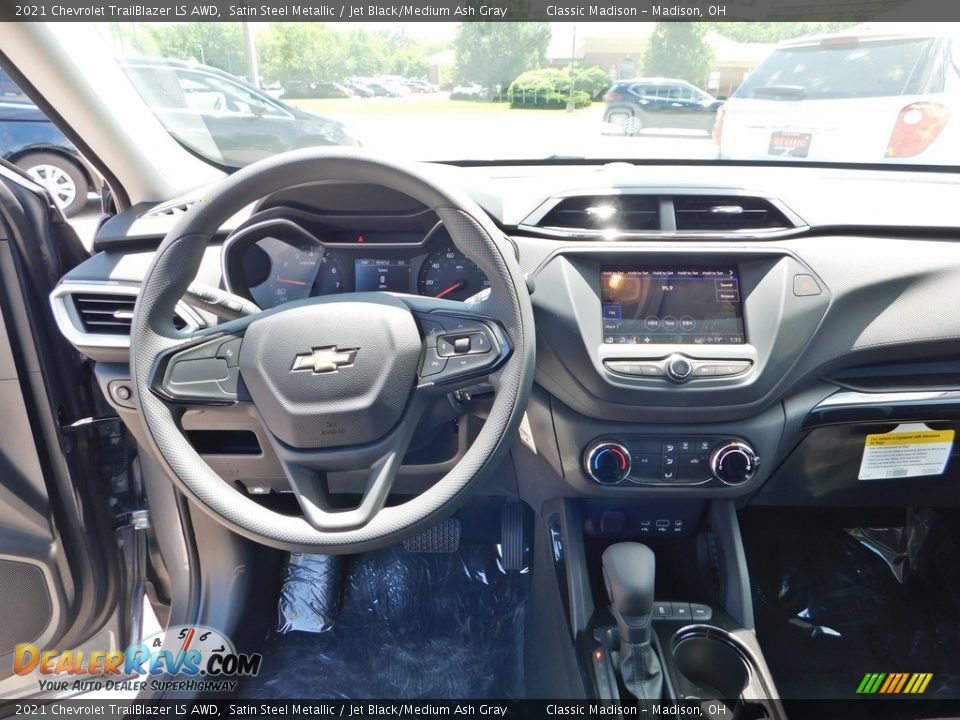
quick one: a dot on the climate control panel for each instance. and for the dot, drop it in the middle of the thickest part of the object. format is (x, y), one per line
(648, 460)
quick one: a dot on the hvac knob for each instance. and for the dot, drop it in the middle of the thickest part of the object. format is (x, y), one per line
(734, 462)
(607, 462)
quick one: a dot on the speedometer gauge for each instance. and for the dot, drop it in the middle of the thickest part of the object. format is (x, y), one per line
(450, 274)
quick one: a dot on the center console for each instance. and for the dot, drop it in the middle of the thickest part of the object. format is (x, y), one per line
(665, 622)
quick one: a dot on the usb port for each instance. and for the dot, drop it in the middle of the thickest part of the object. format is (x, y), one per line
(663, 523)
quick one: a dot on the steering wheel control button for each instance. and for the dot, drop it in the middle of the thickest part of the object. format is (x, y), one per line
(431, 330)
(445, 346)
(461, 345)
(805, 286)
(433, 363)
(678, 368)
(185, 372)
(733, 462)
(607, 462)
(230, 351)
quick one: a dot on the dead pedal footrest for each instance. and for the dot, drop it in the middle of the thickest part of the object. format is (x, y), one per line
(444, 537)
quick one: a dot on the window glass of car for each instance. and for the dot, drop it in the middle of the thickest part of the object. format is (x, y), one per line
(838, 69)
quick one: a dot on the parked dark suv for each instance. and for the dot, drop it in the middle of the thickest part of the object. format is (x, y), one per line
(659, 103)
(29, 140)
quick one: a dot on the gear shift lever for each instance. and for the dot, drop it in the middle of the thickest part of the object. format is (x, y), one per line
(629, 571)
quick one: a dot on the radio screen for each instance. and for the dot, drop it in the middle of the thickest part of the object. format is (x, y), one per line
(671, 305)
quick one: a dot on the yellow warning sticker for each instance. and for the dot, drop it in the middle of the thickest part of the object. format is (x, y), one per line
(909, 450)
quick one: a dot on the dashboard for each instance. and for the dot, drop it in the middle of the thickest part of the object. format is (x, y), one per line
(707, 331)
(295, 255)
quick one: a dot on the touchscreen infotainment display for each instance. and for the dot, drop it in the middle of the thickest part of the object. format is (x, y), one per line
(676, 305)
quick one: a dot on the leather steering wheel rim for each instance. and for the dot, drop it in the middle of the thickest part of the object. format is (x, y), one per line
(175, 265)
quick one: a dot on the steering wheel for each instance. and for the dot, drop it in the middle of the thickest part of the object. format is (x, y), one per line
(338, 382)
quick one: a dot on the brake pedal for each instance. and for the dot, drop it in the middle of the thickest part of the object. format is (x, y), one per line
(511, 536)
(444, 537)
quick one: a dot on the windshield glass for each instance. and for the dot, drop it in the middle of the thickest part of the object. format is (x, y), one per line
(835, 92)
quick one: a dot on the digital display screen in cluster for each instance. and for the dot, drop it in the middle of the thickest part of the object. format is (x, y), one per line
(672, 305)
(371, 274)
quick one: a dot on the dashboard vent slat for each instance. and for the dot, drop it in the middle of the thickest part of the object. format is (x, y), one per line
(698, 213)
(629, 213)
(109, 314)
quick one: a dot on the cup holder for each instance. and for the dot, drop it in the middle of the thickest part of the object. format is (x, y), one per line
(711, 662)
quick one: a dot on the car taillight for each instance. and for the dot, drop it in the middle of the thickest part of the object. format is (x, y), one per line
(613, 96)
(918, 125)
(718, 124)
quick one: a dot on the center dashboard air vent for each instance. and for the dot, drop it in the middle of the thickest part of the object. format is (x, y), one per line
(620, 215)
(723, 213)
(629, 213)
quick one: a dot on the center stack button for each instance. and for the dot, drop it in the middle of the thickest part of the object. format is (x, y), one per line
(678, 368)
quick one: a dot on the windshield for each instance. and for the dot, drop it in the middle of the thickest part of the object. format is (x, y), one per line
(235, 92)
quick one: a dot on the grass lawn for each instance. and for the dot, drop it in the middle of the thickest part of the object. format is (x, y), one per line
(405, 106)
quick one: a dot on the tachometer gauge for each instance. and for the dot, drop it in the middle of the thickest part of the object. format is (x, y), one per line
(298, 268)
(450, 274)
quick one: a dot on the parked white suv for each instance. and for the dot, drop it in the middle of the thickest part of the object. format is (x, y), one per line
(860, 96)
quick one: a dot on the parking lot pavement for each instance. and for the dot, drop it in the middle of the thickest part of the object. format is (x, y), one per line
(526, 134)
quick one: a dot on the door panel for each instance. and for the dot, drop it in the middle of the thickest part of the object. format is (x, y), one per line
(58, 560)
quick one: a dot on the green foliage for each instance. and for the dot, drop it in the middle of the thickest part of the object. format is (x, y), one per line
(679, 50)
(542, 88)
(219, 44)
(594, 80)
(547, 88)
(299, 52)
(549, 100)
(771, 32)
(288, 52)
(494, 53)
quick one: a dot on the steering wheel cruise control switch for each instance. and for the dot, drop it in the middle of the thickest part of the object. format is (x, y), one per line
(607, 462)
(629, 570)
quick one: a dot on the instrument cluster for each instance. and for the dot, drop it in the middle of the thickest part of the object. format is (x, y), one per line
(277, 261)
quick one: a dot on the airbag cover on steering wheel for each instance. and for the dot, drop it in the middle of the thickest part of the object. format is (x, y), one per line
(334, 371)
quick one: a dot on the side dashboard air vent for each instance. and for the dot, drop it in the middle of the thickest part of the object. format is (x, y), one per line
(170, 210)
(100, 315)
(720, 213)
(110, 314)
(630, 213)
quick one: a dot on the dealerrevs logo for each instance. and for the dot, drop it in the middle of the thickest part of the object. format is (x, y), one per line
(184, 651)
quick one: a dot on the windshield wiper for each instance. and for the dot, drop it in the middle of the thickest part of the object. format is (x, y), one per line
(788, 91)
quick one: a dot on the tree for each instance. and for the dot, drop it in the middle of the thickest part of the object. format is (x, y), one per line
(771, 32)
(494, 53)
(679, 50)
(300, 52)
(219, 44)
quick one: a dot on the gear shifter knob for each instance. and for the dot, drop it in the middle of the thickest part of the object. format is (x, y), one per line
(629, 571)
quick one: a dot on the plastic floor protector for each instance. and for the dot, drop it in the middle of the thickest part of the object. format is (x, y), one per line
(409, 626)
(833, 603)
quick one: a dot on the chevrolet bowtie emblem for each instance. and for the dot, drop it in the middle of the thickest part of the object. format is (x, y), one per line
(323, 360)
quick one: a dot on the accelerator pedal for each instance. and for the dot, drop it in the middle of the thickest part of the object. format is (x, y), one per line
(444, 537)
(511, 536)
